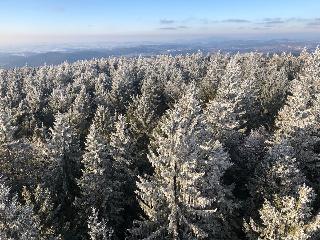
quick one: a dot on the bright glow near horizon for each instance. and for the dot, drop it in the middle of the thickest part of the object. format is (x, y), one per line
(35, 21)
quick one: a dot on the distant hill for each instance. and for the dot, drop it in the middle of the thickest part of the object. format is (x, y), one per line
(34, 59)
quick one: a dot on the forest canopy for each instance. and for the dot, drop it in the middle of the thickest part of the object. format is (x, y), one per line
(181, 147)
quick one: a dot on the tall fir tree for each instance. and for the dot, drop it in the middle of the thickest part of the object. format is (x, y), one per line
(64, 153)
(187, 172)
(286, 217)
(298, 120)
(98, 184)
(17, 221)
(98, 229)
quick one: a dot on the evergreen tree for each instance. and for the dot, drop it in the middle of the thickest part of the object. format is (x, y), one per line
(42, 204)
(99, 186)
(17, 221)
(287, 217)
(142, 115)
(298, 120)
(210, 82)
(124, 170)
(277, 174)
(98, 230)
(64, 154)
(80, 112)
(186, 174)
(7, 127)
(225, 113)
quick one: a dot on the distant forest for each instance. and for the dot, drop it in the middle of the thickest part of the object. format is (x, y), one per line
(179, 147)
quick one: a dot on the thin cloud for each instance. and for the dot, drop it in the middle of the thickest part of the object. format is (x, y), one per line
(182, 27)
(168, 28)
(268, 23)
(314, 22)
(296, 19)
(173, 28)
(235, 20)
(262, 28)
(272, 21)
(166, 21)
(258, 28)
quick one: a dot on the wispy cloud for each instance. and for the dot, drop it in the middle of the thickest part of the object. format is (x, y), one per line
(296, 19)
(258, 28)
(314, 22)
(272, 22)
(263, 24)
(235, 20)
(168, 28)
(174, 28)
(166, 21)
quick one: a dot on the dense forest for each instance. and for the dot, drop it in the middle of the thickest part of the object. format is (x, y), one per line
(187, 147)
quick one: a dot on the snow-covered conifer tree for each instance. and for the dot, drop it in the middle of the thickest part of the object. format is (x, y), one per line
(98, 184)
(98, 230)
(286, 217)
(210, 82)
(42, 204)
(225, 113)
(143, 114)
(187, 171)
(277, 173)
(17, 221)
(298, 120)
(64, 156)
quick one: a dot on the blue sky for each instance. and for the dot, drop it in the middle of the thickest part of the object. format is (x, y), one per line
(126, 20)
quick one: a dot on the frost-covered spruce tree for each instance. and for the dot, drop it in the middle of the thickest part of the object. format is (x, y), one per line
(193, 66)
(124, 170)
(274, 88)
(236, 106)
(98, 184)
(225, 113)
(178, 199)
(35, 94)
(60, 99)
(215, 70)
(17, 221)
(64, 154)
(104, 121)
(120, 143)
(124, 85)
(276, 174)
(253, 76)
(7, 126)
(17, 154)
(249, 155)
(143, 114)
(80, 111)
(175, 84)
(286, 217)
(298, 120)
(101, 89)
(98, 230)
(41, 202)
